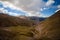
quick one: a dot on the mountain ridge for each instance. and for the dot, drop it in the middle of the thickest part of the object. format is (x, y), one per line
(7, 20)
(49, 28)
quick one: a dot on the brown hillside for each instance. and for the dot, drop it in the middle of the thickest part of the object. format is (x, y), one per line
(49, 29)
(6, 35)
(7, 20)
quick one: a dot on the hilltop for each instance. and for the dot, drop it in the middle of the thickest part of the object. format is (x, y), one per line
(7, 20)
(50, 28)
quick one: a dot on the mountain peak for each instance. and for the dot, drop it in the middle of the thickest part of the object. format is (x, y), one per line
(58, 12)
(56, 15)
(50, 27)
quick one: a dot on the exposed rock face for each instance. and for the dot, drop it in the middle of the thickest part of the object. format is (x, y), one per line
(49, 29)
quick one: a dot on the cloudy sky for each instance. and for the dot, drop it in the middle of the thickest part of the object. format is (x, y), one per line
(40, 8)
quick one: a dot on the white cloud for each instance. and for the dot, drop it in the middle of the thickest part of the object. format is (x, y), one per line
(57, 10)
(11, 6)
(10, 13)
(37, 14)
(58, 6)
(23, 5)
(30, 7)
(50, 2)
(42, 9)
(2, 10)
(13, 14)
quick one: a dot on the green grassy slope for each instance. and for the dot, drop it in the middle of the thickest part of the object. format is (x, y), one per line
(50, 28)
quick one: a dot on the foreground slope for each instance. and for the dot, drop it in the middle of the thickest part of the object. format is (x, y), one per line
(6, 35)
(16, 33)
(49, 29)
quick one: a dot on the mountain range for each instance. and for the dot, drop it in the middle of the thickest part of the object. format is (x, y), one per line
(7, 20)
(29, 28)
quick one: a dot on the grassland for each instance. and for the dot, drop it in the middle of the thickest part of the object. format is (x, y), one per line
(16, 33)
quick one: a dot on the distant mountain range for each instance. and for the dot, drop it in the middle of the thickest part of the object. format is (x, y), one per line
(33, 18)
(38, 18)
(49, 29)
(7, 20)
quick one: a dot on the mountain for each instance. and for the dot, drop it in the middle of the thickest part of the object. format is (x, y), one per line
(34, 18)
(37, 18)
(15, 28)
(7, 20)
(49, 29)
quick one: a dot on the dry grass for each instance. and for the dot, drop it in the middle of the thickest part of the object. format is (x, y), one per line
(16, 33)
(50, 28)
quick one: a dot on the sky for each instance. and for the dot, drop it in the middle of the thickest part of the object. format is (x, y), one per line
(39, 8)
